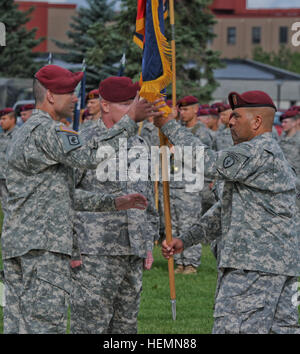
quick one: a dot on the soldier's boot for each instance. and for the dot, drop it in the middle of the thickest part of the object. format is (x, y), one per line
(190, 270)
(179, 269)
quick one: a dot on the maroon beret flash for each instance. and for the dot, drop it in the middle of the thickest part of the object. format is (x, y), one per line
(57, 79)
(250, 99)
(92, 94)
(118, 89)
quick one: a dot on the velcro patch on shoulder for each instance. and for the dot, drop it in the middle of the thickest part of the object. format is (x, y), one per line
(230, 163)
(70, 138)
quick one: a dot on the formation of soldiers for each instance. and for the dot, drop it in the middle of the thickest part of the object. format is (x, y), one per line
(70, 237)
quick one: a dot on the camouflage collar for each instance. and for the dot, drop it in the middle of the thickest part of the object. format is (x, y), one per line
(41, 114)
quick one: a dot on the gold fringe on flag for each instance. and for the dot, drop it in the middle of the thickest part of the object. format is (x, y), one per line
(151, 90)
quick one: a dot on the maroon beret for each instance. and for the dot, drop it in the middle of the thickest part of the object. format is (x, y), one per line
(27, 107)
(295, 108)
(220, 106)
(187, 101)
(213, 112)
(203, 112)
(289, 114)
(250, 99)
(57, 79)
(118, 89)
(5, 111)
(205, 106)
(93, 94)
(217, 105)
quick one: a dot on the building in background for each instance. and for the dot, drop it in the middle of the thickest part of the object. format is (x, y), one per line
(52, 22)
(242, 75)
(239, 29)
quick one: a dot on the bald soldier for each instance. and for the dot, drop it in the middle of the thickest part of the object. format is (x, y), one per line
(37, 236)
(8, 122)
(256, 218)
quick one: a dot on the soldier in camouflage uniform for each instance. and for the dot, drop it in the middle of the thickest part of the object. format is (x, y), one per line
(186, 206)
(290, 145)
(26, 111)
(114, 246)
(93, 107)
(8, 124)
(150, 133)
(256, 218)
(37, 237)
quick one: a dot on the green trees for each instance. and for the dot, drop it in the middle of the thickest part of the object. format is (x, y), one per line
(89, 31)
(195, 61)
(101, 36)
(16, 58)
(284, 59)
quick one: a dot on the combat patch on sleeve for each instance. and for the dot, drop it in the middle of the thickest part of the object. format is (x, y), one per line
(230, 163)
(70, 138)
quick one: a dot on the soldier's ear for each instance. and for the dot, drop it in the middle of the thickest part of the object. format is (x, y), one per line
(49, 96)
(105, 106)
(257, 122)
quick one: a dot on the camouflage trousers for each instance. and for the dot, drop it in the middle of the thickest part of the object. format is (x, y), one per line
(250, 302)
(185, 211)
(37, 288)
(106, 296)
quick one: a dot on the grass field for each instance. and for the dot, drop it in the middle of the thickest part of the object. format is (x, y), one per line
(194, 298)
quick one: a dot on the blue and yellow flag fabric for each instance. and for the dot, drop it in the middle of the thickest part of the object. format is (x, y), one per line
(149, 36)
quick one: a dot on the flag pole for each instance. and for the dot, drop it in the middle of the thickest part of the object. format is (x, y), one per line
(166, 187)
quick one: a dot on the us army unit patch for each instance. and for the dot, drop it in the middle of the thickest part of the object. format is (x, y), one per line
(228, 161)
(69, 138)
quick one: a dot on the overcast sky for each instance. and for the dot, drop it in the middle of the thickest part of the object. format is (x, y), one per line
(257, 4)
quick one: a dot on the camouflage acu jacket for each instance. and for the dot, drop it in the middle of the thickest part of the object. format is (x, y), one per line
(223, 139)
(257, 208)
(127, 232)
(290, 146)
(40, 183)
(5, 138)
